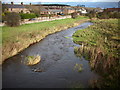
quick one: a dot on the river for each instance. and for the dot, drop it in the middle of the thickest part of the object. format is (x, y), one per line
(57, 64)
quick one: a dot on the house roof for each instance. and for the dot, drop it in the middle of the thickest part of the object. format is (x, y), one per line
(53, 5)
(113, 9)
(54, 10)
(43, 9)
(13, 6)
(70, 8)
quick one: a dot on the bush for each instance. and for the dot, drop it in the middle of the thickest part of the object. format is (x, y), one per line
(91, 14)
(106, 15)
(44, 15)
(74, 15)
(27, 15)
(12, 19)
(115, 15)
(37, 15)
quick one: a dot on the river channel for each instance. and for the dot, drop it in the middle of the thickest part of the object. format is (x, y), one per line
(57, 64)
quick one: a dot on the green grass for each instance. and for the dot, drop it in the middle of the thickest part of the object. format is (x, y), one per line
(103, 34)
(100, 45)
(10, 34)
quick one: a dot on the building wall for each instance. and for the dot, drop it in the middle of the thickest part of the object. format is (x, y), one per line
(18, 10)
(68, 11)
(71, 11)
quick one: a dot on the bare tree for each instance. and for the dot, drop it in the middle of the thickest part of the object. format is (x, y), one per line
(12, 19)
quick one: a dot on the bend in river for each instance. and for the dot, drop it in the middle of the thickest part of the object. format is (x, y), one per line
(57, 64)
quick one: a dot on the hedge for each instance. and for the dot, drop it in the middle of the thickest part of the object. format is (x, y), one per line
(27, 15)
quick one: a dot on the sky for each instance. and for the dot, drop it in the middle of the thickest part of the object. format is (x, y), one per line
(60, 0)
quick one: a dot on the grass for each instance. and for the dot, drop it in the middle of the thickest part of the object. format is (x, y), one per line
(67, 37)
(32, 60)
(100, 45)
(103, 34)
(15, 39)
(78, 67)
(10, 34)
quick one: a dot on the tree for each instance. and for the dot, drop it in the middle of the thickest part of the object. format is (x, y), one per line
(12, 19)
(92, 14)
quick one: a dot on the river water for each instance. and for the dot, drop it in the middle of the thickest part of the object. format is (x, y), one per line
(57, 64)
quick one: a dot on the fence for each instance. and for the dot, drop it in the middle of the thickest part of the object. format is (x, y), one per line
(42, 19)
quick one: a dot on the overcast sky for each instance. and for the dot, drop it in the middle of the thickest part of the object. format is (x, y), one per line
(60, 0)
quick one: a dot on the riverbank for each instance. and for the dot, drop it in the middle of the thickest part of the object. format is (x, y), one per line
(16, 39)
(100, 45)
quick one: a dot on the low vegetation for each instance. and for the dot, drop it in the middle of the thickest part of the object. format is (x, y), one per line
(103, 15)
(16, 39)
(78, 67)
(12, 19)
(100, 45)
(107, 15)
(103, 34)
(32, 60)
(27, 15)
(74, 15)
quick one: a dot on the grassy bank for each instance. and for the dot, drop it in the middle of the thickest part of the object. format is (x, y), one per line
(100, 45)
(16, 39)
(103, 34)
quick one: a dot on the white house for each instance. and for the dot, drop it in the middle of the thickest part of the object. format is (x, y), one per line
(82, 10)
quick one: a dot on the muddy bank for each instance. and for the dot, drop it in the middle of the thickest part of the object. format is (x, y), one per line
(13, 48)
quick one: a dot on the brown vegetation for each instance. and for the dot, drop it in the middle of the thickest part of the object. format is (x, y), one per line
(101, 49)
(12, 19)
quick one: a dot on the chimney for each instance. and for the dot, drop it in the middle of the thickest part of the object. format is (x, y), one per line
(21, 3)
(12, 3)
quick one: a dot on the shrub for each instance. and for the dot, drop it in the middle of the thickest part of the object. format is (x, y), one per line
(27, 15)
(91, 14)
(103, 15)
(106, 15)
(12, 19)
(74, 15)
(32, 60)
(116, 15)
(37, 15)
